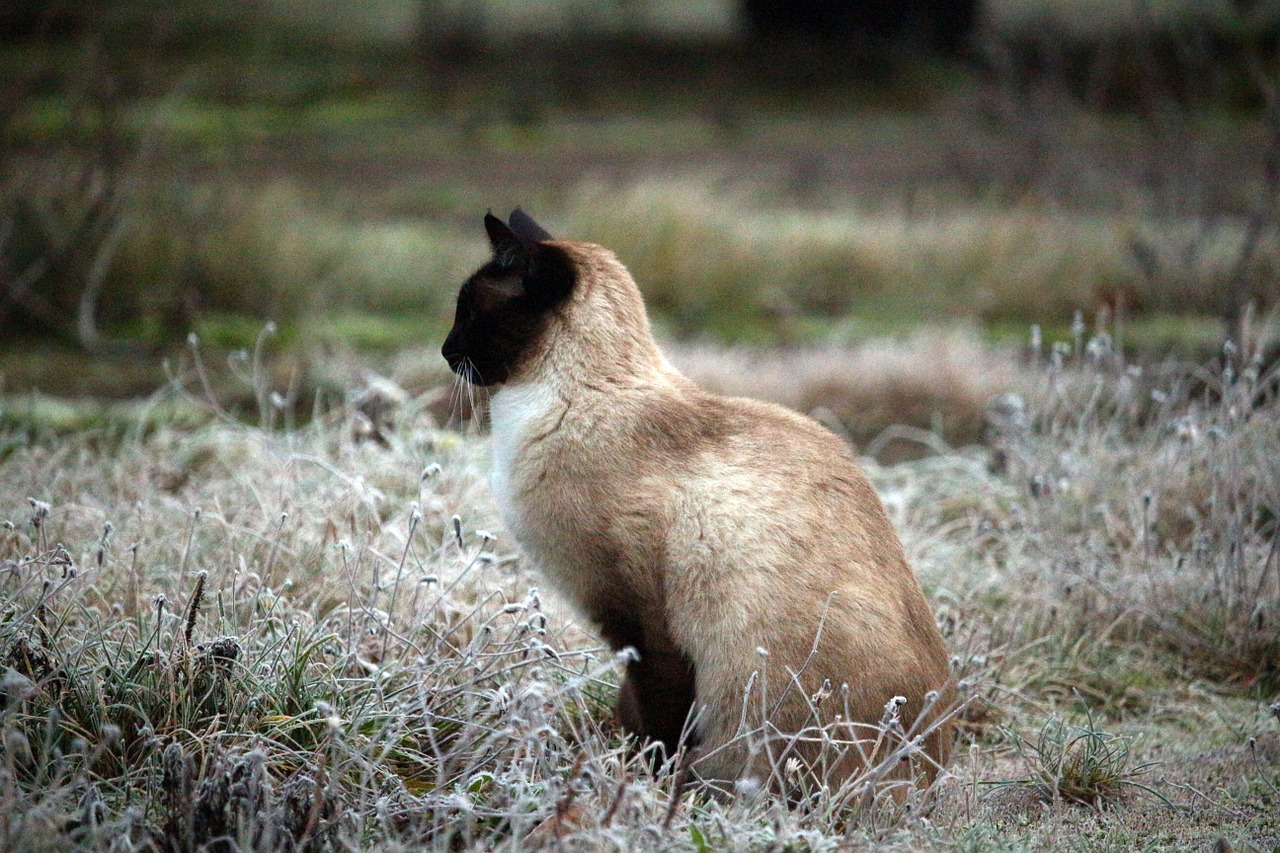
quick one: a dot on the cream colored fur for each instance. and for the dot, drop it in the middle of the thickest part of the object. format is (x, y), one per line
(739, 525)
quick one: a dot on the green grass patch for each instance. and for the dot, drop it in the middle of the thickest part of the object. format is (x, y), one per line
(1080, 762)
(378, 333)
(27, 417)
(1146, 334)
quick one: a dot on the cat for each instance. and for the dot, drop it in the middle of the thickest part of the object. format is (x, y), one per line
(734, 545)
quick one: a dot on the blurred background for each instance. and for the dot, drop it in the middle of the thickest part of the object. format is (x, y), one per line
(779, 175)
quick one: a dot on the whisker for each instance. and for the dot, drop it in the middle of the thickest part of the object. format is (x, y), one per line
(459, 393)
(473, 426)
(453, 400)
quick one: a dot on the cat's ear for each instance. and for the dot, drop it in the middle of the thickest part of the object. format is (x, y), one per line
(524, 226)
(545, 273)
(509, 249)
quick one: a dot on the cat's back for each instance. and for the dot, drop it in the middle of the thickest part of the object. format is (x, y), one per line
(721, 440)
(704, 472)
(696, 442)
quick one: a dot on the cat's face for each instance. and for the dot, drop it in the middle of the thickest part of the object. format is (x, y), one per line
(505, 307)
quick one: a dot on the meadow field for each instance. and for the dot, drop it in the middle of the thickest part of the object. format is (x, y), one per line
(254, 594)
(222, 635)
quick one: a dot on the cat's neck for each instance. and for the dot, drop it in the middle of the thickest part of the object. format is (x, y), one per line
(602, 338)
(614, 360)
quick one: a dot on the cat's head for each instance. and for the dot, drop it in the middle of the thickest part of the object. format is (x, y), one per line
(504, 309)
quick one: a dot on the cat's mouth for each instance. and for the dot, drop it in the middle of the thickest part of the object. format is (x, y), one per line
(459, 364)
(464, 367)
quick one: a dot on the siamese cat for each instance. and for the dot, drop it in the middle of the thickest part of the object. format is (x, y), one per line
(735, 545)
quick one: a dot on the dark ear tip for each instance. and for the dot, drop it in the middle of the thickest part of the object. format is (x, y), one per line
(523, 224)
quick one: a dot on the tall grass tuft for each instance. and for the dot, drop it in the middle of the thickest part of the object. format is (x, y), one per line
(1081, 763)
(1164, 482)
(707, 256)
(182, 255)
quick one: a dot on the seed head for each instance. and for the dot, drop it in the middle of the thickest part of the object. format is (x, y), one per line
(18, 747)
(14, 685)
(193, 610)
(40, 511)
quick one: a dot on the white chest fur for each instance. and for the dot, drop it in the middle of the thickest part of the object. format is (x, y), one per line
(518, 415)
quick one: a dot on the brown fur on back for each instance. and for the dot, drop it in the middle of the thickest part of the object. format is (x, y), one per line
(730, 542)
